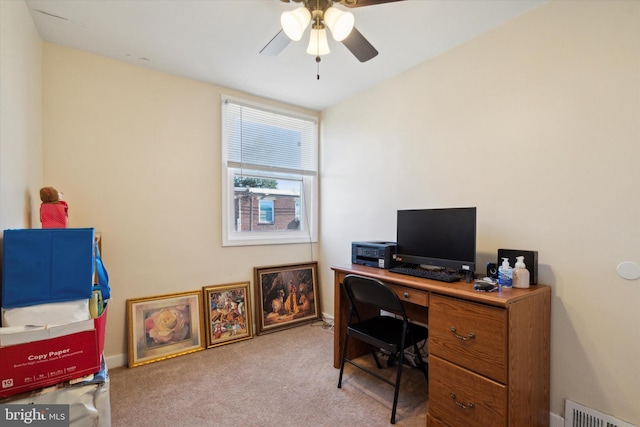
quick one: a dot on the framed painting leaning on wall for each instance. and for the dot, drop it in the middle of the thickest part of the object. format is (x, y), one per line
(286, 296)
(227, 311)
(164, 326)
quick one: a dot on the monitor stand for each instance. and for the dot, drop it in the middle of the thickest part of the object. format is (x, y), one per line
(469, 276)
(429, 267)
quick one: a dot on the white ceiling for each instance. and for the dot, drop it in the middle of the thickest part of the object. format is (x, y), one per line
(218, 41)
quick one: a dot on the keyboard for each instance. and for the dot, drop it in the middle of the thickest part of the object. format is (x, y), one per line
(442, 276)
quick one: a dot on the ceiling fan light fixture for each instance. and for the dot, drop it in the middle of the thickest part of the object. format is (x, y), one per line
(318, 44)
(339, 22)
(295, 22)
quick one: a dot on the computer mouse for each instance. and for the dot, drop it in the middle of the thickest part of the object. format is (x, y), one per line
(484, 287)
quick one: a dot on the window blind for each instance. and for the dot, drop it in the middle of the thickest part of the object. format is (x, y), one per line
(258, 139)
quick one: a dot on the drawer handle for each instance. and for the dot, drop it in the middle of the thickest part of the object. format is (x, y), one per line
(406, 295)
(469, 405)
(460, 337)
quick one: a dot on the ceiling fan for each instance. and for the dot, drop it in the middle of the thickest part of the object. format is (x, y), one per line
(322, 14)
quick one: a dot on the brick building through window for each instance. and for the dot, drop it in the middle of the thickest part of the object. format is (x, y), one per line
(266, 209)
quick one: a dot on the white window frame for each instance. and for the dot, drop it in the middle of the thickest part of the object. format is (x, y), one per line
(308, 199)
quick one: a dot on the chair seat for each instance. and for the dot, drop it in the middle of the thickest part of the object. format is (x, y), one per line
(385, 332)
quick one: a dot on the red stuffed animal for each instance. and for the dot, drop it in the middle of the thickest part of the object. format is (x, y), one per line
(54, 212)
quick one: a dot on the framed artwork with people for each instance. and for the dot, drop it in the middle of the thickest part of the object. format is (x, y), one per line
(227, 313)
(286, 296)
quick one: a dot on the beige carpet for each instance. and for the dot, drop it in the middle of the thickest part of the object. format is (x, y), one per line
(285, 378)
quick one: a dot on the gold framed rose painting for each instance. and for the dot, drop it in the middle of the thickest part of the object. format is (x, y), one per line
(164, 326)
(286, 296)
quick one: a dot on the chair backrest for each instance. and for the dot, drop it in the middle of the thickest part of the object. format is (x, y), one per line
(371, 291)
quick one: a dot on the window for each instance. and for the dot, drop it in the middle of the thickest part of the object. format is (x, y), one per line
(266, 211)
(270, 175)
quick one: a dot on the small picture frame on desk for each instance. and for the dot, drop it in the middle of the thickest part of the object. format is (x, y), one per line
(286, 296)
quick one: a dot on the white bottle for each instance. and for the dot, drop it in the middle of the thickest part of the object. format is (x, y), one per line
(505, 274)
(520, 274)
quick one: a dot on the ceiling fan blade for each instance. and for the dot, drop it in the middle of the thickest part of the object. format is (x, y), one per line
(359, 46)
(276, 45)
(360, 3)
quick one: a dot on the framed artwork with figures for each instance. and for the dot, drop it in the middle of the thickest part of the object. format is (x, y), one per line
(228, 313)
(164, 326)
(286, 296)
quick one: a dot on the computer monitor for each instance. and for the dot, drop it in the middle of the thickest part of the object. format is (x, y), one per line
(444, 238)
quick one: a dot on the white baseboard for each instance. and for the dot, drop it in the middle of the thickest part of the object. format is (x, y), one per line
(555, 420)
(116, 361)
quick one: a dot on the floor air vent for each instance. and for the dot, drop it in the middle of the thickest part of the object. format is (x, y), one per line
(576, 415)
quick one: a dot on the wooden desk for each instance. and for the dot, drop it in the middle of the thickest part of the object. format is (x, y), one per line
(488, 352)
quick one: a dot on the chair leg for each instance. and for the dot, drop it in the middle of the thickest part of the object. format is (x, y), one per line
(391, 361)
(375, 357)
(397, 386)
(344, 355)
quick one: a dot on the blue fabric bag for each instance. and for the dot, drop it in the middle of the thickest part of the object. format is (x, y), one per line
(102, 277)
(46, 265)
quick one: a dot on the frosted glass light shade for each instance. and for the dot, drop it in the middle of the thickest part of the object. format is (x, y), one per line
(295, 22)
(318, 44)
(340, 23)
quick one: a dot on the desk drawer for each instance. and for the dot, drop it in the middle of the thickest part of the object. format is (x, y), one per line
(469, 334)
(463, 398)
(413, 296)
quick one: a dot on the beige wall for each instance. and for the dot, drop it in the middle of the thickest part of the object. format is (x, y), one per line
(537, 123)
(20, 117)
(137, 155)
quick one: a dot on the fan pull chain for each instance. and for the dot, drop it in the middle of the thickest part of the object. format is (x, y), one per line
(318, 59)
(318, 67)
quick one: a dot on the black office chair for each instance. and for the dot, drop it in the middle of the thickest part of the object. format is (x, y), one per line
(391, 334)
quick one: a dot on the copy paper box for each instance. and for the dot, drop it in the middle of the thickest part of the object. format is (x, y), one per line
(46, 362)
(21, 335)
